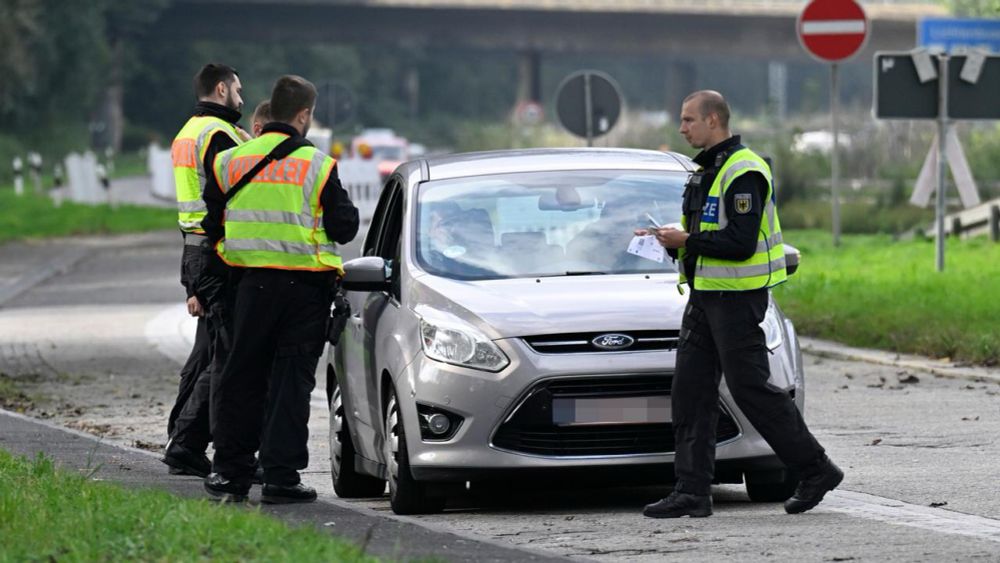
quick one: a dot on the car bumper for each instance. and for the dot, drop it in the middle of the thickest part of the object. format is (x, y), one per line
(486, 400)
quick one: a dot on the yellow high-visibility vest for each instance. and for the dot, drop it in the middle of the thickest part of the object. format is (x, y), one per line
(276, 220)
(188, 155)
(766, 268)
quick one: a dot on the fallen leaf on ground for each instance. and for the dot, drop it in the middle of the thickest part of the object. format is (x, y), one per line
(937, 504)
(876, 442)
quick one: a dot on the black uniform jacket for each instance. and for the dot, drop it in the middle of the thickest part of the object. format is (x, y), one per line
(738, 241)
(193, 262)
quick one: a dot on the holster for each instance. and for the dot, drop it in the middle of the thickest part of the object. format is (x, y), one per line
(339, 314)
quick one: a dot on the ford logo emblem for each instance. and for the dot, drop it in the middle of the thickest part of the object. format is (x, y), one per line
(613, 341)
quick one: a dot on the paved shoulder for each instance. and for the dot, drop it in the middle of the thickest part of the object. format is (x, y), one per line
(385, 537)
(944, 368)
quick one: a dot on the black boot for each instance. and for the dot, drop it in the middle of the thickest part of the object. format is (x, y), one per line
(183, 461)
(224, 490)
(680, 504)
(810, 491)
(278, 494)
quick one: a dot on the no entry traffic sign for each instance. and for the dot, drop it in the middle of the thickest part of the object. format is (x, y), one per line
(833, 30)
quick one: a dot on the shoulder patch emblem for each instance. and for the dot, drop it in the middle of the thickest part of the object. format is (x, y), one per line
(743, 203)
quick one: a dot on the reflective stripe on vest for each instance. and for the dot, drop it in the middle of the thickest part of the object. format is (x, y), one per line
(766, 268)
(276, 220)
(188, 155)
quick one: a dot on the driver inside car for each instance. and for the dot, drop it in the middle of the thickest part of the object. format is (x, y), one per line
(460, 241)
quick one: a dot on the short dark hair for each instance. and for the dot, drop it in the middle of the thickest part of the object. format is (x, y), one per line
(210, 75)
(710, 101)
(262, 112)
(291, 94)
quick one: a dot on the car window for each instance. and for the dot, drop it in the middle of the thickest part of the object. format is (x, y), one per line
(378, 218)
(542, 224)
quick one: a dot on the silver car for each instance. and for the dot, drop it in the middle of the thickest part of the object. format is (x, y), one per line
(500, 328)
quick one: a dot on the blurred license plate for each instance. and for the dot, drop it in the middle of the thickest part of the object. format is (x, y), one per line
(610, 410)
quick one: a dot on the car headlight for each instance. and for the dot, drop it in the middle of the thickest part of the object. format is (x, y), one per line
(773, 337)
(462, 345)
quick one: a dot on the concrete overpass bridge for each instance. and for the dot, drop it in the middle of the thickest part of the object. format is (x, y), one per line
(676, 31)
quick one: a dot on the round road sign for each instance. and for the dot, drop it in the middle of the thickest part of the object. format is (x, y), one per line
(588, 103)
(528, 113)
(833, 30)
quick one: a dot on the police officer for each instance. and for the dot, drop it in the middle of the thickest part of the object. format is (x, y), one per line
(284, 210)
(730, 253)
(261, 117)
(212, 129)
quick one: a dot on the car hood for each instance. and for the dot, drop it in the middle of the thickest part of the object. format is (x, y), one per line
(532, 306)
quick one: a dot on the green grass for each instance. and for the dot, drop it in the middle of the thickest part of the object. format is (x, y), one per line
(50, 515)
(129, 164)
(879, 293)
(33, 216)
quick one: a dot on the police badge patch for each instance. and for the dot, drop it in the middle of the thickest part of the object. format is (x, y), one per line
(743, 203)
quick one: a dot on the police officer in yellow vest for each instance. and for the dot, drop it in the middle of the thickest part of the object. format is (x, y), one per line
(730, 253)
(212, 129)
(280, 229)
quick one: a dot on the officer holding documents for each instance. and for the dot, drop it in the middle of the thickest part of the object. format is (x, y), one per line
(729, 252)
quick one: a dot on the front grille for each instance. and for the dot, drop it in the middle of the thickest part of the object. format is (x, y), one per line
(530, 429)
(582, 342)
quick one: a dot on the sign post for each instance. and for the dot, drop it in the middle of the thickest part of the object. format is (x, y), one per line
(588, 104)
(833, 31)
(920, 85)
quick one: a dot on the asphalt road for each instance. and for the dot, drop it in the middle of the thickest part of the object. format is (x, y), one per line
(92, 331)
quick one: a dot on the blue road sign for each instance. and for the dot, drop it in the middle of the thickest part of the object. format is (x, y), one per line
(951, 33)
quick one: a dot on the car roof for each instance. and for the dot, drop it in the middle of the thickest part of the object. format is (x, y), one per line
(550, 160)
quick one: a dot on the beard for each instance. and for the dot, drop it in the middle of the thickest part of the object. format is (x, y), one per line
(231, 102)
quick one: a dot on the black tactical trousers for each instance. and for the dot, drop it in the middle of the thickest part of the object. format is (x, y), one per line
(721, 334)
(261, 397)
(197, 363)
(200, 359)
(191, 427)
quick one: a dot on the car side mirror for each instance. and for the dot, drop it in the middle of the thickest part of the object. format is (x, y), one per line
(368, 273)
(792, 257)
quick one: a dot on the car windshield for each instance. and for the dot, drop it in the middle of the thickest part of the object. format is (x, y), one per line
(543, 223)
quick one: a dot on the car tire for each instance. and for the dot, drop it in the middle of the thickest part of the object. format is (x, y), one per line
(763, 487)
(406, 495)
(347, 482)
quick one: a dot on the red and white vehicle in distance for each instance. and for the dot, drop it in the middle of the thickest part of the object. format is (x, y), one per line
(384, 147)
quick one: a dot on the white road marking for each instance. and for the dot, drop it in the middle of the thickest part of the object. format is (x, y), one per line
(833, 27)
(172, 333)
(901, 513)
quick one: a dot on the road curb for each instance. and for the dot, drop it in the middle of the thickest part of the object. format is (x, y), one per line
(827, 349)
(387, 536)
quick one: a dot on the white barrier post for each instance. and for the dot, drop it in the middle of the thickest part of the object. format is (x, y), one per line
(18, 166)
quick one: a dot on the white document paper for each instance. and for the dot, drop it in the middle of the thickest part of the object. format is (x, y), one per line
(646, 247)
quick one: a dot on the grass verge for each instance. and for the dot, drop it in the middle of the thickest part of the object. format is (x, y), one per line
(50, 515)
(878, 293)
(31, 216)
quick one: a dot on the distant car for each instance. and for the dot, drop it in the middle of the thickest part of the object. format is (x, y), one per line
(384, 146)
(500, 329)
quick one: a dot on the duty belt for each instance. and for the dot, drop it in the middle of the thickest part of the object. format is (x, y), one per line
(191, 239)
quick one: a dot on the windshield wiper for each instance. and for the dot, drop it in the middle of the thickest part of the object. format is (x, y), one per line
(571, 273)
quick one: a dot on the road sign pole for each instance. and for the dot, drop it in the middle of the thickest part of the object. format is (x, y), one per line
(942, 156)
(835, 154)
(588, 104)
